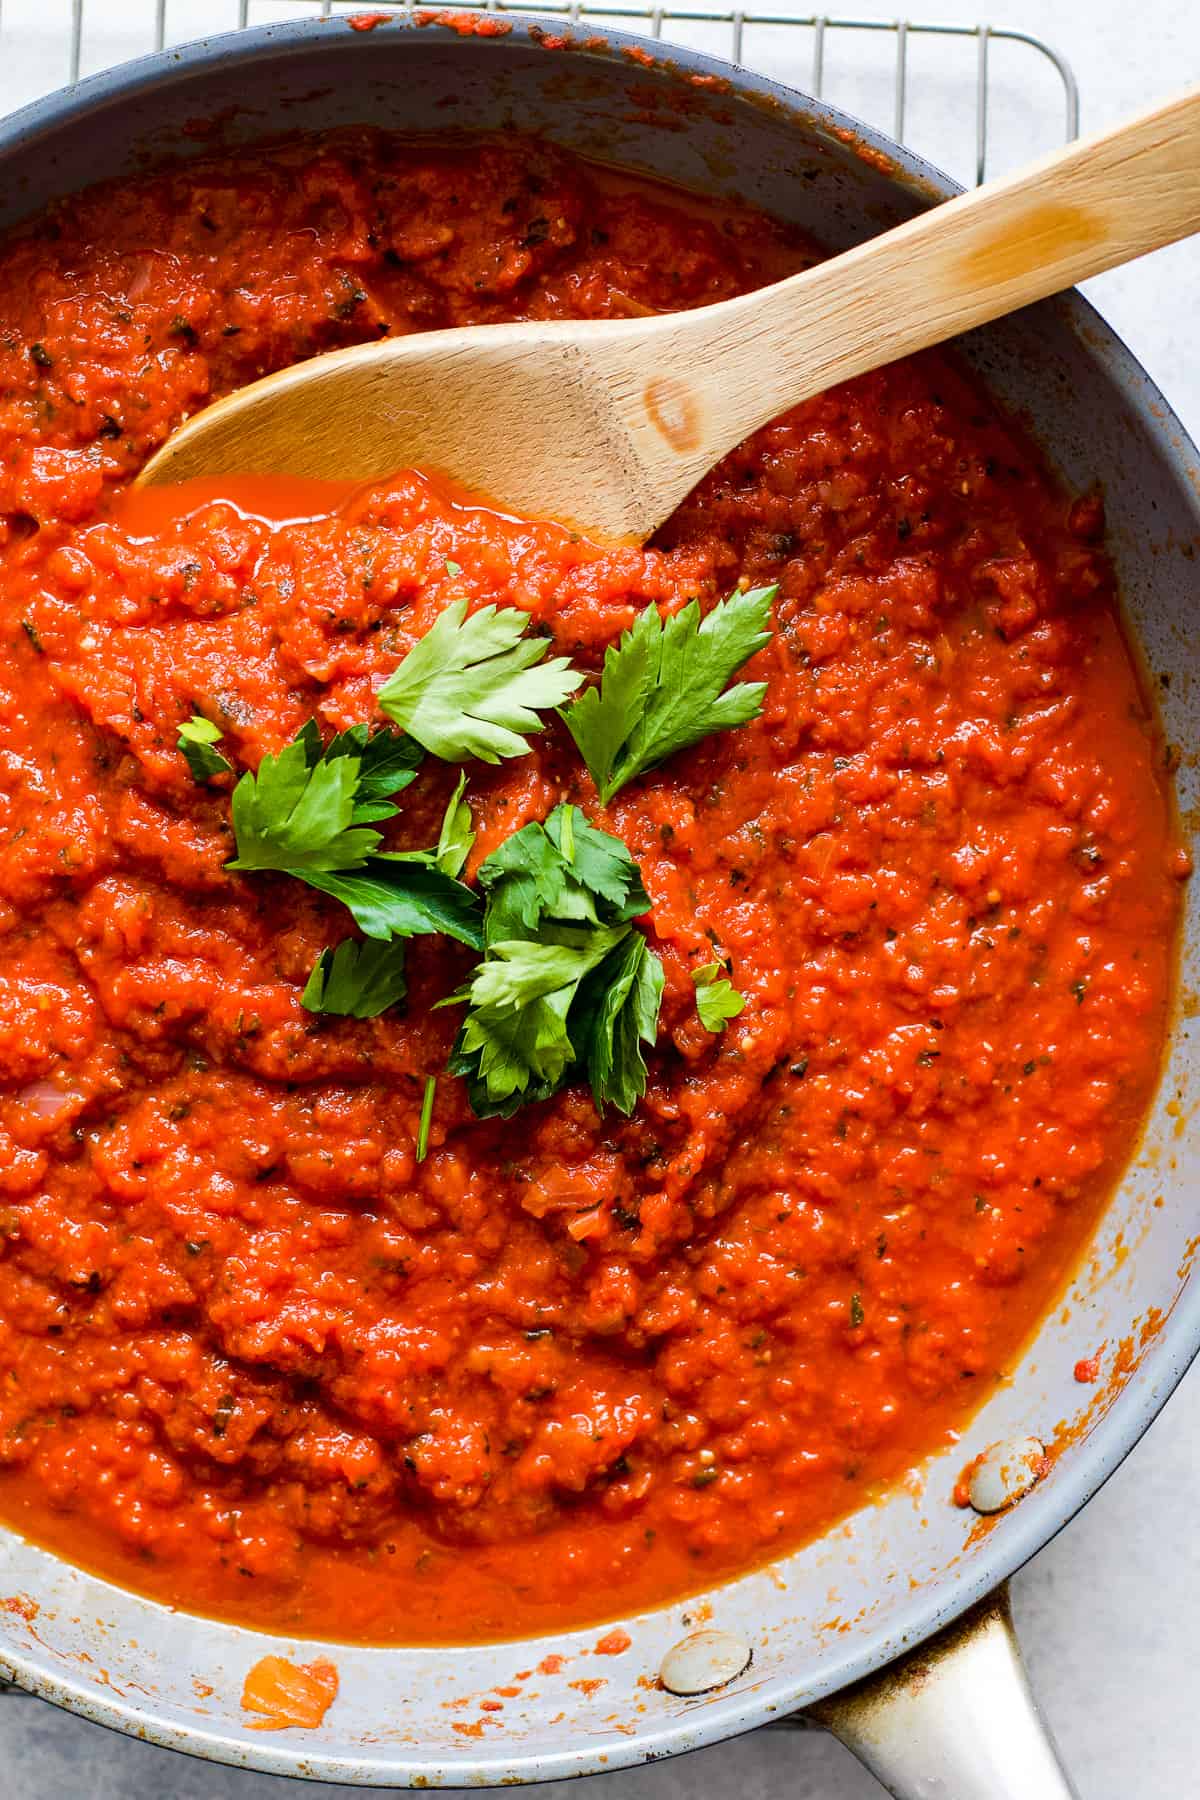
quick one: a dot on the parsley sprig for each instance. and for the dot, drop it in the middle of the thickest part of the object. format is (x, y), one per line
(566, 986)
(411, 893)
(361, 980)
(663, 687)
(310, 812)
(474, 686)
(397, 896)
(310, 809)
(426, 1119)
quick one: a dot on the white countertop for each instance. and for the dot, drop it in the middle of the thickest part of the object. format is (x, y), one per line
(1106, 1613)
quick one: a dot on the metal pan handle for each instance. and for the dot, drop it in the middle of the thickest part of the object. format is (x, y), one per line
(953, 1720)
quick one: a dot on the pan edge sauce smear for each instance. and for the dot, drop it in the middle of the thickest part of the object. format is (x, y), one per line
(256, 1358)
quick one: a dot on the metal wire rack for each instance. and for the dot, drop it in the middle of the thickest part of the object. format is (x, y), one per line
(77, 41)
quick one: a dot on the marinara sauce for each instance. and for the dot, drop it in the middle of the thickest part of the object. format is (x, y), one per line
(255, 1358)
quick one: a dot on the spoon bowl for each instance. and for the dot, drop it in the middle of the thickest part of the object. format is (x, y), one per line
(605, 425)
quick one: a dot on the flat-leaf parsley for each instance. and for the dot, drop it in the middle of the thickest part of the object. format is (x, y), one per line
(197, 741)
(310, 809)
(663, 688)
(310, 813)
(474, 686)
(717, 1000)
(357, 980)
(567, 985)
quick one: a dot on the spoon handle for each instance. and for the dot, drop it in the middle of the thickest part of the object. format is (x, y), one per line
(1086, 208)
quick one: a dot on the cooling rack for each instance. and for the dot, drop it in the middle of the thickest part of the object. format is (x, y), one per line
(970, 97)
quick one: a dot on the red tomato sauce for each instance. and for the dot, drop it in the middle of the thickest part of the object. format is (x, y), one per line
(255, 1358)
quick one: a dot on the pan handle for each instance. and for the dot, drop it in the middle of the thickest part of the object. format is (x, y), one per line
(954, 1719)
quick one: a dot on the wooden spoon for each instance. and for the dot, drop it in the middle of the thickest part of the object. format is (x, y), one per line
(605, 425)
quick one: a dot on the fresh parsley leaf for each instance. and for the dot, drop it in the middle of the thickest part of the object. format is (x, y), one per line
(509, 1060)
(357, 980)
(387, 762)
(663, 687)
(524, 878)
(604, 718)
(531, 875)
(454, 840)
(457, 833)
(197, 738)
(473, 686)
(567, 988)
(402, 896)
(599, 862)
(426, 1117)
(302, 815)
(717, 1000)
(523, 970)
(453, 568)
(305, 809)
(294, 816)
(618, 1008)
(515, 1045)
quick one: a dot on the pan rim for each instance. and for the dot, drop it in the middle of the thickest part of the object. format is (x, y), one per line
(1145, 1391)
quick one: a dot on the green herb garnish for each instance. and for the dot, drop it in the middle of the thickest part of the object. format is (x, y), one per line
(357, 980)
(310, 809)
(387, 762)
(717, 1000)
(454, 840)
(474, 686)
(567, 986)
(663, 687)
(309, 812)
(618, 1013)
(426, 1118)
(401, 896)
(408, 893)
(197, 740)
(565, 869)
(457, 833)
